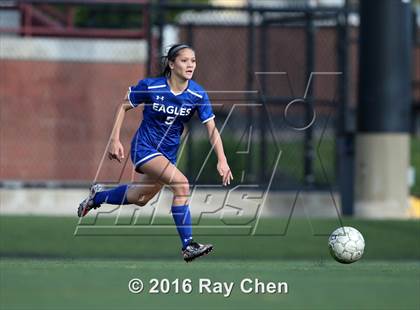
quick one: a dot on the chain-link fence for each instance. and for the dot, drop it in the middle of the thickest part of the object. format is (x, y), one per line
(274, 78)
(282, 81)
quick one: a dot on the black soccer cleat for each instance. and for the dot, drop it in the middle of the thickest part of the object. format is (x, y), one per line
(194, 250)
(86, 205)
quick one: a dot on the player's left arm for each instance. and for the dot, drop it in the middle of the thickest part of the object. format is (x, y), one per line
(216, 142)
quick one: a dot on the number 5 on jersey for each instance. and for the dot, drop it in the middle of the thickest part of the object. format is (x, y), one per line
(169, 120)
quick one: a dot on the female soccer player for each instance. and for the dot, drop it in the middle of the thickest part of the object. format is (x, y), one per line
(168, 102)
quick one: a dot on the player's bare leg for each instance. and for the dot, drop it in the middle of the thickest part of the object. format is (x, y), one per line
(138, 194)
(165, 172)
(143, 191)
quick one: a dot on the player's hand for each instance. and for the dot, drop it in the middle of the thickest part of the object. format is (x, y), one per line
(225, 173)
(116, 150)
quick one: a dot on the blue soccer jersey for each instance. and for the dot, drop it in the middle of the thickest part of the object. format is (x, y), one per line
(164, 116)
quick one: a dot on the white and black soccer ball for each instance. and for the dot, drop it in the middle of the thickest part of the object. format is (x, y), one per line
(346, 245)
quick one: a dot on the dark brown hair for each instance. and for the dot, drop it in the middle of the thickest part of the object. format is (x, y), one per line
(172, 54)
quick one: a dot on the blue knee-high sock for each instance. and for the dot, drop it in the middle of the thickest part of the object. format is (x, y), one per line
(182, 219)
(115, 196)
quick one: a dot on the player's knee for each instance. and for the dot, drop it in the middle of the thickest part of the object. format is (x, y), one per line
(142, 200)
(181, 187)
(140, 203)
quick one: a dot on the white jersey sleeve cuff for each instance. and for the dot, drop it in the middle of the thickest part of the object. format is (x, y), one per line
(128, 96)
(210, 118)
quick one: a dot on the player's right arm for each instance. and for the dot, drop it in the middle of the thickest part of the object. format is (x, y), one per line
(134, 97)
(116, 149)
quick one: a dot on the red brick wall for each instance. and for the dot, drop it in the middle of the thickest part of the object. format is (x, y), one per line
(56, 118)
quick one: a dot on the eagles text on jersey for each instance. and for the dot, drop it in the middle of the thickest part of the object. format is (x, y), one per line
(165, 112)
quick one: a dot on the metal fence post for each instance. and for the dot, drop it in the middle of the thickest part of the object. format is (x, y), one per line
(250, 79)
(151, 19)
(262, 117)
(309, 178)
(160, 23)
(345, 133)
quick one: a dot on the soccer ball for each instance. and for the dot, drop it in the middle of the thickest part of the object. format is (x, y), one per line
(346, 245)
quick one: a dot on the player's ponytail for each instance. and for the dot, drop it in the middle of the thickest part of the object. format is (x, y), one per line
(170, 56)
